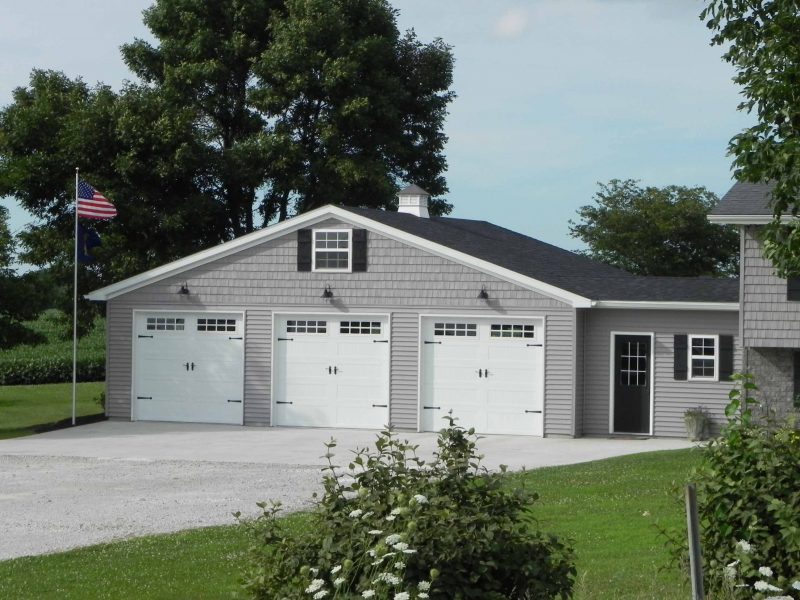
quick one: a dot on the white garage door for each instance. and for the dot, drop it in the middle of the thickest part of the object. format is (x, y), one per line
(189, 367)
(489, 373)
(331, 371)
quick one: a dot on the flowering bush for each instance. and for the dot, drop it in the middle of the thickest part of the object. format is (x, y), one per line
(393, 526)
(748, 490)
(765, 584)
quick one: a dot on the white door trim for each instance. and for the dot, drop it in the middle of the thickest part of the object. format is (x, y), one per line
(136, 311)
(327, 313)
(422, 316)
(612, 379)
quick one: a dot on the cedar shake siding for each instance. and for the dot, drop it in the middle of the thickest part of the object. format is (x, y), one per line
(769, 320)
(400, 280)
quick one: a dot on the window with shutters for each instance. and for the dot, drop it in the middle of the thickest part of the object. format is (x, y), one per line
(704, 357)
(332, 250)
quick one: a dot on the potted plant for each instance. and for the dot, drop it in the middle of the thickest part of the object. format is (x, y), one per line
(696, 420)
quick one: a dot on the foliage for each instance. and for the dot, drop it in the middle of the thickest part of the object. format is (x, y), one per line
(471, 532)
(29, 409)
(747, 490)
(240, 108)
(762, 42)
(51, 362)
(744, 578)
(657, 231)
(357, 106)
(20, 295)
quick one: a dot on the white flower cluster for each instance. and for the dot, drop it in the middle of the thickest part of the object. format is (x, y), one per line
(389, 578)
(744, 546)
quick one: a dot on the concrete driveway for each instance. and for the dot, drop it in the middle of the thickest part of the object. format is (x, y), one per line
(114, 479)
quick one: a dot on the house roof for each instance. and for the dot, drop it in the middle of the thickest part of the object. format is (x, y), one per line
(551, 264)
(412, 190)
(512, 256)
(745, 199)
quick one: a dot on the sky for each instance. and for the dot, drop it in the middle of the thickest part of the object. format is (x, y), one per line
(554, 96)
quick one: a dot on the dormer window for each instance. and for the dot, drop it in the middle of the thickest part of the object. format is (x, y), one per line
(332, 249)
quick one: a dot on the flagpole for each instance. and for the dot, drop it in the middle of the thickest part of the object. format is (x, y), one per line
(75, 307)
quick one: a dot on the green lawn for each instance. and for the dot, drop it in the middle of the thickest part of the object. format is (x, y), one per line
(27, 409)
(607, 507)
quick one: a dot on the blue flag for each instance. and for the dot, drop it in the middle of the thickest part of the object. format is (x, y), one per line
(87, 241)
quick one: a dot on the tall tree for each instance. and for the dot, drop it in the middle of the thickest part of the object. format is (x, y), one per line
(762, 42)
(657, 231)
(357, 106)
(241, 107)
(18, 298)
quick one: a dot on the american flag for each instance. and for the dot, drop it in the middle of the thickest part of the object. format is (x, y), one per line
(92, 204)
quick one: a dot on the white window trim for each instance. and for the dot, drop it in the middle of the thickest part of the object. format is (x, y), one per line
(314, 268)
(689, 356)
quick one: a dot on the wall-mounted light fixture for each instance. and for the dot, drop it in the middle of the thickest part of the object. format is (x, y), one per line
(327, 293)
(184, 291)
(483, 294)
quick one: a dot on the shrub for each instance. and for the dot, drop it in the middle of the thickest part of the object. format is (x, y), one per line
(51, 361)
(449, 523)
(748, 496)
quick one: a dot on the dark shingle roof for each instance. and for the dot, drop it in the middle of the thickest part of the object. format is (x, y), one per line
(745, 199)
(413, 190)
(552, 265)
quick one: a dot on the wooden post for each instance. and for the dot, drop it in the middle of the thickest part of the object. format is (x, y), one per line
(695, 557)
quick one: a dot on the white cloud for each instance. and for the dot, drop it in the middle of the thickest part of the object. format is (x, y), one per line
(512, 24)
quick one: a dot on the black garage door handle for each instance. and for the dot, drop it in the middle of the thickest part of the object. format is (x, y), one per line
(239, 401)
(144, 397)
(538, 412)
(380, 405)
(282, 402)
(145, 336)
(427, 342)
(285, 339)
(431, 407)
(380, 341)
(536, 345)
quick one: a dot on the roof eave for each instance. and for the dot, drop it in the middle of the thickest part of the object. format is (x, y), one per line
(666, 305)
(747, 219)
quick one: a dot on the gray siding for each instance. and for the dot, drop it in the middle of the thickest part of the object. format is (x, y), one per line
(401, 280)
(671, 398)
(404, 370)
(768, 319)
(580, 325)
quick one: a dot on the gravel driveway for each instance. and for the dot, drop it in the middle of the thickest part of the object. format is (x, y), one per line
(111, 480)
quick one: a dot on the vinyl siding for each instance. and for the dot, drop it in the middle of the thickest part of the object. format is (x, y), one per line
(670, 398)
(580, 324)
(400, 280)
(769, 319)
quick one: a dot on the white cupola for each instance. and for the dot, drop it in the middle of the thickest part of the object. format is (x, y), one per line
(414, 201)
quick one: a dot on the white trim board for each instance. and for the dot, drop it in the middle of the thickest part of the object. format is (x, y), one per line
(315, 216)
(747, 219)
(666, 305)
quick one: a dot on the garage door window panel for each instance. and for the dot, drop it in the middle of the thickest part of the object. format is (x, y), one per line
(332, 249)
(512, 330)
(305, 326)
(703, 357)
(208, 325)
(360, 327)
(164, 324)
(455, 329)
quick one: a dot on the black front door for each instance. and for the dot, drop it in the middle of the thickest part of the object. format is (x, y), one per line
(632, 366)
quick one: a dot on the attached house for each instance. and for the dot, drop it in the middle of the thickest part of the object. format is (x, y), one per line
(357, 318)
(769, 324)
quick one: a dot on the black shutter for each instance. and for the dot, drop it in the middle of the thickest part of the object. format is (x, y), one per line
(303, 249)
(359, 250)
(725, 357)
(680, 362)
(793, 288)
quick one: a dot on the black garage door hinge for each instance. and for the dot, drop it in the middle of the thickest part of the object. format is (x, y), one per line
(537, 412)
(144, 397)
(282, 402)
(380, 341)
(380, 405)
(431, 407)
(234, 338)
(239, 401)
(145, 336)
(536, 345)
(427, 342)
(285, 339)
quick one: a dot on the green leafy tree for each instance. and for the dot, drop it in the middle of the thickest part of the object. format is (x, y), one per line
(19, 300)
(657, 231)
(762, 42)
(357, 106)
(216, 130)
